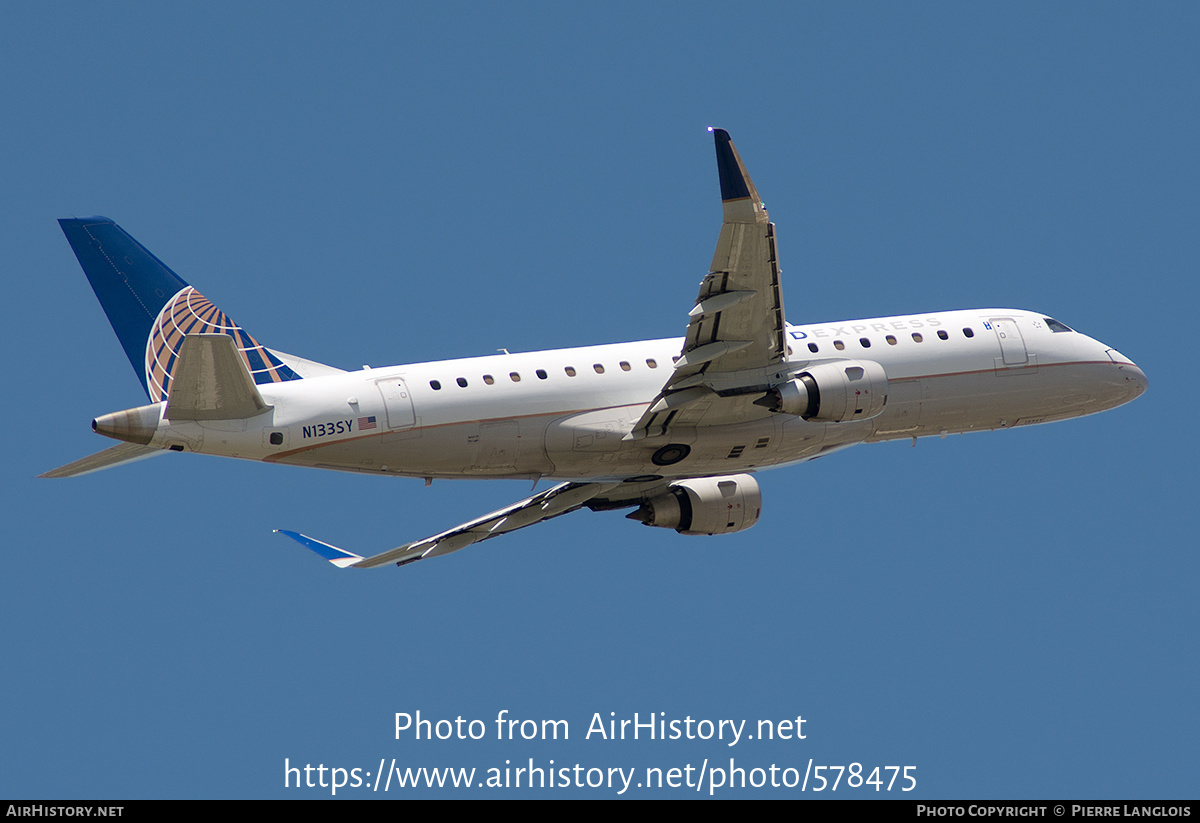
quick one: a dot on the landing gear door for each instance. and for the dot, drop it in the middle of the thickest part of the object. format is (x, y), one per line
(398, 401)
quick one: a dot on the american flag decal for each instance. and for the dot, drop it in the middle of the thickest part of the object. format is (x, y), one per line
(365, 423)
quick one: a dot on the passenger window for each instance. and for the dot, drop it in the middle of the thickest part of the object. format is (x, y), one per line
(516, 378)
(625, 366)
(812, 347)
(866, 344)
(917, 338)
(599, 369)
(839, 345)
(570, 370)
(462, 381)
(541, 373)
(487, 378)
(969, 332)
(943, 335)
(891, 341)
(652, 363)
(435, 385)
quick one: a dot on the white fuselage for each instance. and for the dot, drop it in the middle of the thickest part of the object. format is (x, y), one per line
(565, 413)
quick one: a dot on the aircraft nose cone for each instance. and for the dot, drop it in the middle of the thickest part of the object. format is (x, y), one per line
(1136, 378)
(1135, 381)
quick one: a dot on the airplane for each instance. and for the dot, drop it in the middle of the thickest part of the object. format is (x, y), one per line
(673, 429)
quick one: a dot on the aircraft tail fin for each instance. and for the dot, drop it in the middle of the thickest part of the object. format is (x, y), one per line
(152, 310)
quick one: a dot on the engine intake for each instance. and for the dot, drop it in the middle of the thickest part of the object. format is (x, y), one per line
(704, 505)
(833, 392)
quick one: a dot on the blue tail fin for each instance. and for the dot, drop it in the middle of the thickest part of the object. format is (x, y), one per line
(151, 309)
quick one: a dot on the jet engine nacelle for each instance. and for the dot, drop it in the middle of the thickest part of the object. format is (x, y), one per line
(704, 505)
(833, 392)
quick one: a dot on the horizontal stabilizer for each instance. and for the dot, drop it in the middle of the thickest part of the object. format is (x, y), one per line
(212, 382)
(116, 456)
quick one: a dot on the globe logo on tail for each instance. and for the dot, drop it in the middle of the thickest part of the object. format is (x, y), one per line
(190, 312)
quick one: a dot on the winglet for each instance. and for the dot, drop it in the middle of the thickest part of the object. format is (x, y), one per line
(729, 168)
(735, 180)
(338, 557)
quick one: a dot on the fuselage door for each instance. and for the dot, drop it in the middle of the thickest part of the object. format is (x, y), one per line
(398, 400)
(1012, 345)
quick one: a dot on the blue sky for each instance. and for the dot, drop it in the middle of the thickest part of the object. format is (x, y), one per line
(1013, 613)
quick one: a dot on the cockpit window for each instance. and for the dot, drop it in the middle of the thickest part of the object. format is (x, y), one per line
(1055, 325)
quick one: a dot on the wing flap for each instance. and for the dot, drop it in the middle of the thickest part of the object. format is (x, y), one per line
(745, 261)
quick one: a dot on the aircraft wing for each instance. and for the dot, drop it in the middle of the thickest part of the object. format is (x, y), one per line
(559, 500)
(736, 338)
